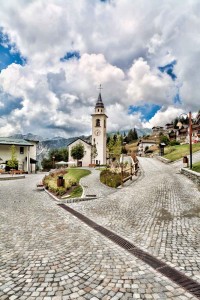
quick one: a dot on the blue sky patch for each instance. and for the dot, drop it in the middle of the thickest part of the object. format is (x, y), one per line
(147, 110)
(9, 103)
(177, 99)
(7, 53)
(70, 55)
(169, 69)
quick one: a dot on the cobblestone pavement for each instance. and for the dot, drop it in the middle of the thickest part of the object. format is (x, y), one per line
(160, 213)
(47, 254)
(92, 186)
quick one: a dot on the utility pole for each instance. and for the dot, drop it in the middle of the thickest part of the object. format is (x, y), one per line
(190, 136)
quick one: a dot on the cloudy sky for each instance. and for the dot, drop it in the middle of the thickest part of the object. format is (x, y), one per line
(55, 53)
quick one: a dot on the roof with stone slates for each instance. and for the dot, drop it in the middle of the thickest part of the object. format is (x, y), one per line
(13, 141)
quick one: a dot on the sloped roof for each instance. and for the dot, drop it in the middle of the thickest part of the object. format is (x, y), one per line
(13, 141)
(77, 140)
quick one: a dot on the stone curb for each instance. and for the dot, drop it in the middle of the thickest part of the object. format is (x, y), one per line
(12, 178)
(71, 200)
(194, 176)
(164, 160)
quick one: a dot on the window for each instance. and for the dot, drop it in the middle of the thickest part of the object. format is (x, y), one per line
(104, 123)
(21, 150)
(98, 123)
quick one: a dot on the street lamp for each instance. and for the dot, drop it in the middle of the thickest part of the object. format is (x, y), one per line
(190, 135)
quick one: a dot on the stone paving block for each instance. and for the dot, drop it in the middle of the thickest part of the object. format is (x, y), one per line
(59, 257)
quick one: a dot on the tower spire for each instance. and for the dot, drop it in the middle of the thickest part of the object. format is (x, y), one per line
(99, 103)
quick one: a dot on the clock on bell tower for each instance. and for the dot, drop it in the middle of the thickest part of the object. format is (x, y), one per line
(99, 124)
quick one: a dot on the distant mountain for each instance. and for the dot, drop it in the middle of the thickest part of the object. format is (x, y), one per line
(28, 136)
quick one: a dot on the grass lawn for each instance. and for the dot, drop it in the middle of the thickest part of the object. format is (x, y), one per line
(176, 152)
(73, 175)
(77, 192)
(76, 174)
(196, 167)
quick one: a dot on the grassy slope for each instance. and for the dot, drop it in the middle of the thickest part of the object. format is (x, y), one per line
(176, 152)
(196, 167)
(77, 174)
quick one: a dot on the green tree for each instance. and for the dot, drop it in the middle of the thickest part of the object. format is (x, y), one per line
(77, 152)
(58, 154)
(47, 164)
(124, 150)
(164, 139)
(54, 155)
(94, 152)
(117, 149)
(13, 162)
(135, 135)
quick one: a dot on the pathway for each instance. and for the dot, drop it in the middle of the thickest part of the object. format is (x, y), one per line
(160, 213)
(46, 253)
(92, 186)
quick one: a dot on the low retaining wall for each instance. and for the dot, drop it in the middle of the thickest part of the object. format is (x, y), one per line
(194, 176)
(4, 177)
(165, 160)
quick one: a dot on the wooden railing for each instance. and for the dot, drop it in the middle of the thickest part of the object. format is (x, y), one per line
(127, 173)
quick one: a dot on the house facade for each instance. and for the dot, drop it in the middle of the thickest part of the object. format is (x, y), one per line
(145, 144)
(86, 160)
(25, 152)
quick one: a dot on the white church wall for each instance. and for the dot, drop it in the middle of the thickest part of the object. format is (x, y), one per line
(86, 160)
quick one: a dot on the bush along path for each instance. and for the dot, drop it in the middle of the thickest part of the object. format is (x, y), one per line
(65, 182)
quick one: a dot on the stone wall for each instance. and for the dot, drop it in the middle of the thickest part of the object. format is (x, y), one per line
(165, 160)
(194, 176)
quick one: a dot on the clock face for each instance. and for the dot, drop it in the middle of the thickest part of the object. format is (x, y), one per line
(97, 132)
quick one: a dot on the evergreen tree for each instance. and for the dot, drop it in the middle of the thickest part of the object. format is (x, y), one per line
(114, 138)
(135, 135)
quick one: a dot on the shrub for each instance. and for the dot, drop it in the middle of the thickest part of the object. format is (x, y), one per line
(174, 143)
(110, 178)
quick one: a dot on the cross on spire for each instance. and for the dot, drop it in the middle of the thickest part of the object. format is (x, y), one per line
(99, 103)
(100, 88)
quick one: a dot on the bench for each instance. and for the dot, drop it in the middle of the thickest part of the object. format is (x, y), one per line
(16, 172)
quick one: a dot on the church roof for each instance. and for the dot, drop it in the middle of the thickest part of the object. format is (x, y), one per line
(78, 138)
(99, 103)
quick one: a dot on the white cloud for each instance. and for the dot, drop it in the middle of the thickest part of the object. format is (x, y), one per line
(121, 42)
(149, 85)
(164, 116)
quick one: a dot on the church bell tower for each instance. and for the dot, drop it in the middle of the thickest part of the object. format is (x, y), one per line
(99, 124)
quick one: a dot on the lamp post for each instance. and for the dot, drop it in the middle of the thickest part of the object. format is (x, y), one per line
(190, 135)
